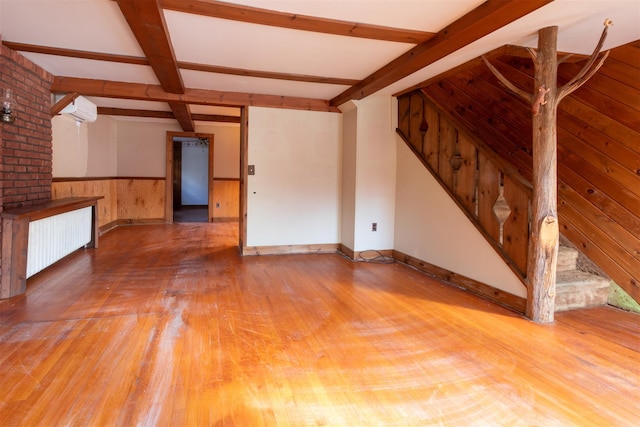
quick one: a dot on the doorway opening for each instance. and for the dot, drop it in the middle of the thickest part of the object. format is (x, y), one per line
(189, 184)
(228, 202)
(190, 179)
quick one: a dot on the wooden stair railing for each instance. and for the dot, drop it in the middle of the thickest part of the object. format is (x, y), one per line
(493, 195)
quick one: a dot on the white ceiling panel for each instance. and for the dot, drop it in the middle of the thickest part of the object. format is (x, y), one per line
(258, 47)
(581, 23)
(231, 83)
(421, 15)
(92, 69)
(92, 25)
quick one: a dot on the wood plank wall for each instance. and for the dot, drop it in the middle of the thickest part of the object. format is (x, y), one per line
(106, 187)
(140, 200)
(598, 148)
(226, 196)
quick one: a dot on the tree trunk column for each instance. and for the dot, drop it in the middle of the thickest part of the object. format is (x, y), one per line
(543, 250)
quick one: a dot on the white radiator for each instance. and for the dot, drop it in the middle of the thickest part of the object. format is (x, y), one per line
(53, 238)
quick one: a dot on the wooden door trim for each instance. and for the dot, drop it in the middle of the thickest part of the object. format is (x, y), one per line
(210, 180)
(244, 159)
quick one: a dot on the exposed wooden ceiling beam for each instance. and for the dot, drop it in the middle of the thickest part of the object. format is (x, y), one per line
(124, 90)
(125, 59)
(215, 118)
(146, 20)
(182, 113)
(83, 54)
(483, 20)
(66, 100)
(128, 112)
(254, 15)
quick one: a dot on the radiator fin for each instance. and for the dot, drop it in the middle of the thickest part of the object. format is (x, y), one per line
(53, 238)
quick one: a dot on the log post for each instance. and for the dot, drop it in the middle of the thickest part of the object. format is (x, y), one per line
(544, 234)
(543, 250)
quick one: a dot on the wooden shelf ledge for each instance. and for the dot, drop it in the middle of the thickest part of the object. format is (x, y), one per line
(54, 207)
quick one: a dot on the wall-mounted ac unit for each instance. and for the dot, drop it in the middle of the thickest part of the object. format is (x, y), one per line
(82, 110)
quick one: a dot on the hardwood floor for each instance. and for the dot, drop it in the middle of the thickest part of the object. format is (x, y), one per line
(168, 325)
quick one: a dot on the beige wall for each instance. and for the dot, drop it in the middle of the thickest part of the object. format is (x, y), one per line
(369, 173)
(141, 147)
(226, 158)
(349, 164)
(70, 147)
(84, 149)
(375, 174)
(102, 143)
(131, 148)
(294, 196)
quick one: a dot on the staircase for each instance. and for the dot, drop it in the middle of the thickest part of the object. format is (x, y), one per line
(494, 195)
(576, 288)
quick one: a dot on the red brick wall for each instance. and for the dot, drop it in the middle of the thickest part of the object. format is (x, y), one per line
(26, 155)
(25, 145)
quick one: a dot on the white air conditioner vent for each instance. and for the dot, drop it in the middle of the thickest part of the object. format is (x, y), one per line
(82, 110)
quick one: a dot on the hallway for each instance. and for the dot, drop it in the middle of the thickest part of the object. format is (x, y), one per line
(190, 214)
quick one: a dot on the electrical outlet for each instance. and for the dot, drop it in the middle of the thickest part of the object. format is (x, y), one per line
(374, 226)
(251, 170)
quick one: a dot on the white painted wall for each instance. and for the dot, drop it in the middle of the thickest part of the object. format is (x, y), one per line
(431, 227)
(349, 166)
(375, 174)
(102, 142)
(294, 197)
(141, 148)
(109, 147)
(226, 148)
(70, 147)
(84, 149)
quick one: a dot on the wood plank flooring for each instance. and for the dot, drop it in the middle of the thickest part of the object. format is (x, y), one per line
(167, 325)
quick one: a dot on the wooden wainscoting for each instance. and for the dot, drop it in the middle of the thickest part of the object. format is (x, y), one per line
(226, 199)
(126, 200)
(62, 188)
(136, 200)
(141, 199)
